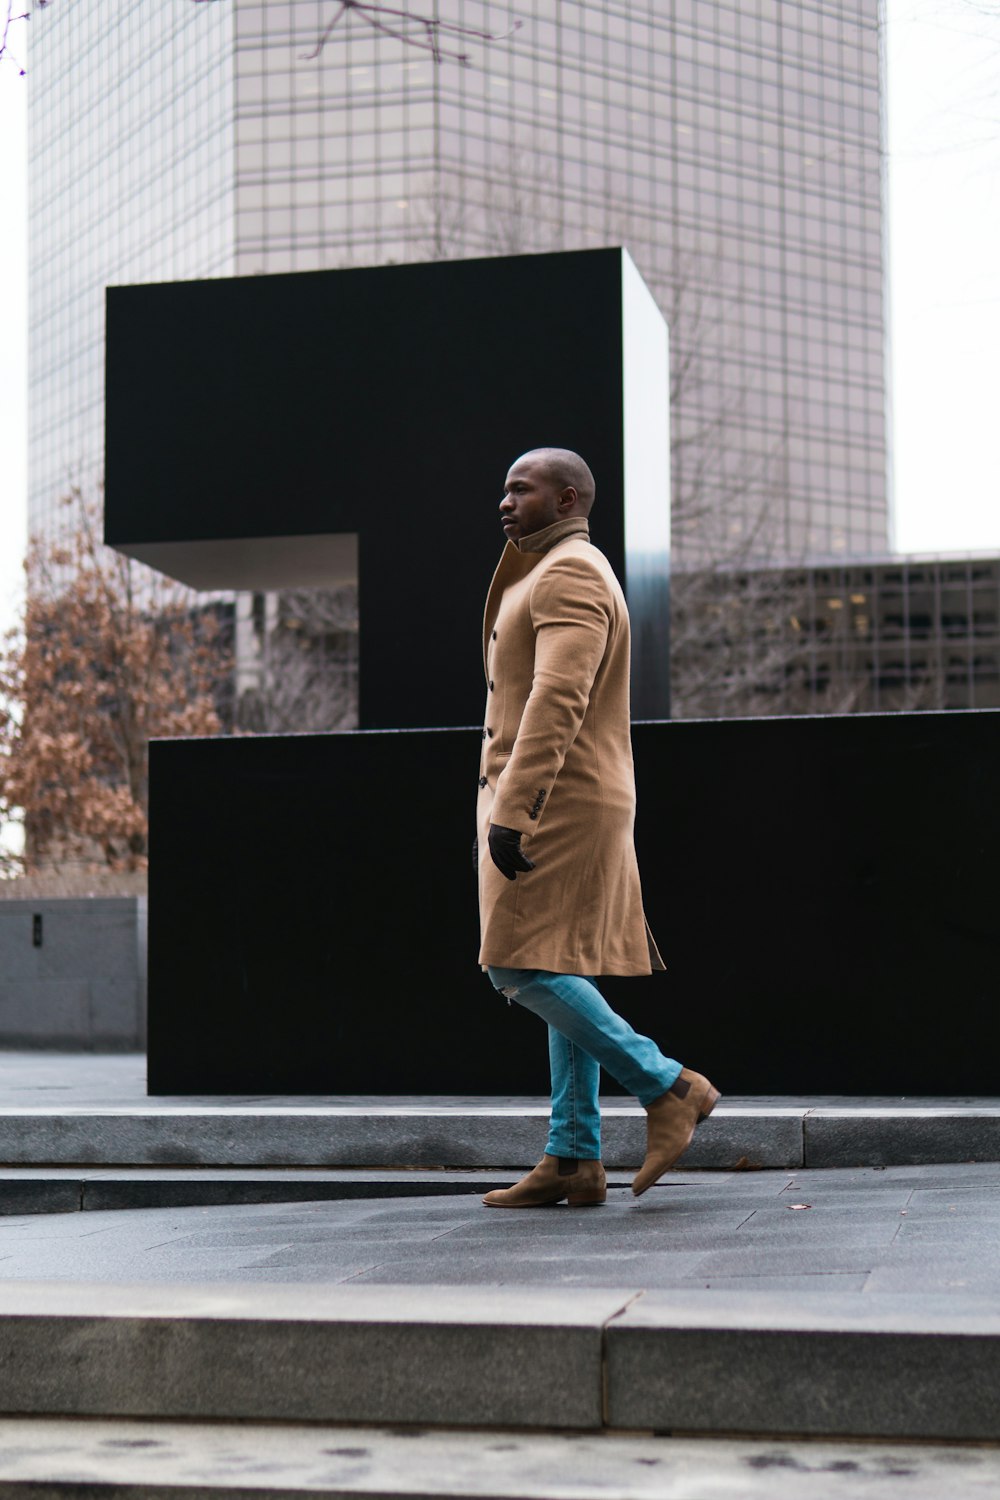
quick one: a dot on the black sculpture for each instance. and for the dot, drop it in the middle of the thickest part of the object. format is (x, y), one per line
(280, 431)
(824, 889)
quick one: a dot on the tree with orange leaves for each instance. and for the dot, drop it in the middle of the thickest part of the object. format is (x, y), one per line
(108, 655)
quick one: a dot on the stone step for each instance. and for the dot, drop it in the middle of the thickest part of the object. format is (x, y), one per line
(534, 1358)
(493, 1134)
(54, 1190)
(149, 1460)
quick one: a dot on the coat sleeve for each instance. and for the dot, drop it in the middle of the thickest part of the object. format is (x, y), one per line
(571, 611)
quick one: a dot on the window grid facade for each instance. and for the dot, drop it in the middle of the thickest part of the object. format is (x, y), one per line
(919, 632)
(130, 152)
(736, 149)
(869, 635)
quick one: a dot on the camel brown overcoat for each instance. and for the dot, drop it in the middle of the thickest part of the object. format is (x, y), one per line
(557, 763)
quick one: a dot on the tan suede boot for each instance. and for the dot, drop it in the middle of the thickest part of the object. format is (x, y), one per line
(670, 1124)
(581, 1183)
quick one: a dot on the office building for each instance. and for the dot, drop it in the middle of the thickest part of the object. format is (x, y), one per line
(868, 635)
(736, 149)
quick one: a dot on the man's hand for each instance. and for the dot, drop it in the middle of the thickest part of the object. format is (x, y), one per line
(505, 851)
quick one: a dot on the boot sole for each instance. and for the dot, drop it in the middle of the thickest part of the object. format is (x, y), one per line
(711, 1100)
(577, 1201)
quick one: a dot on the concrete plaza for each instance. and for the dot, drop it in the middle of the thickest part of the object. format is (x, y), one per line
(353, 1322)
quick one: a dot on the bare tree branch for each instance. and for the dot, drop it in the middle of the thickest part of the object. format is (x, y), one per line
(9, 20)
(432, 28)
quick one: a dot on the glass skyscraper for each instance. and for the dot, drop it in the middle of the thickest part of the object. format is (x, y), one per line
(736, 149)
(866, 635)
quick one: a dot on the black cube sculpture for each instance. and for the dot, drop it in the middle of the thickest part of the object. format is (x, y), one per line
(825, 890)
(282, 431)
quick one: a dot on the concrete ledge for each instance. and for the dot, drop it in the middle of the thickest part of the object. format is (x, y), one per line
(885, 1367)
(888, 1367)
(526, 1357)
(901, 1136)
(370, 1135)
(56, 1190)
(340, 1133)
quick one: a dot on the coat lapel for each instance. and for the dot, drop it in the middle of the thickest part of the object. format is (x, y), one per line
(517, 561)
(512, 567)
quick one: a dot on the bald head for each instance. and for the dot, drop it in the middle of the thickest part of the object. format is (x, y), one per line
(544, 486)
(567, 470)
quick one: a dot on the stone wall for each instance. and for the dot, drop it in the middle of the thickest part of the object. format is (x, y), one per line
(72, 970)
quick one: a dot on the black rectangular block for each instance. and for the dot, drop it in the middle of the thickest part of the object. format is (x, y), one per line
(825, 892)
(298, 430)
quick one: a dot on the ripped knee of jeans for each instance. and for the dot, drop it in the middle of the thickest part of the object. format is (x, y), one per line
(510, 992)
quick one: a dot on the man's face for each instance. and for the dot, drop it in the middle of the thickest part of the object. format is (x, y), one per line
(530, 500)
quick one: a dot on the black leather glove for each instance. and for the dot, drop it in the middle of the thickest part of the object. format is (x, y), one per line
(505, 851)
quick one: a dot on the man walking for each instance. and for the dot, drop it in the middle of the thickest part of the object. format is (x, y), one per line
(559, 894)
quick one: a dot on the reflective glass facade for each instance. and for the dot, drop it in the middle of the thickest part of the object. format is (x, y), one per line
(871, 635)
(130, 179)
(734, 148)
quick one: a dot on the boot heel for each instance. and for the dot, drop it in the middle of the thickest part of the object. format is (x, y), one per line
(709, 1102)
(587, 1200)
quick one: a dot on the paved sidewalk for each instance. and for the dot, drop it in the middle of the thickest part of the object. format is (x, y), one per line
(902, 1230)
(844, 1300)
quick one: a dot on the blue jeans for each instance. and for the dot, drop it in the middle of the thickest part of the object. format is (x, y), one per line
(585, 1035)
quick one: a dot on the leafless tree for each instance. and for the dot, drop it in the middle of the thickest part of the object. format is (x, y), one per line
(12, 15)
(303, 657)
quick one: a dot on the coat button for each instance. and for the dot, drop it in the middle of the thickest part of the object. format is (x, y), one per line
(491, 684)
(482, 781)
(532, 815)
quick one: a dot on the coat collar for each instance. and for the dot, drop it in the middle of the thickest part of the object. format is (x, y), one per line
(550, 536)
(519, 558)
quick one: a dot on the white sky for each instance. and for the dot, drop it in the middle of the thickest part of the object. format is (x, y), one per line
(944, 243)
(944, 268)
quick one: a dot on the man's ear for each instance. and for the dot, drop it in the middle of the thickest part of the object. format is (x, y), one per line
(567, 498)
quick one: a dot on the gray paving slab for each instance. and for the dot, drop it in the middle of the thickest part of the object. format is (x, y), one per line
(852, 1316)
(694, 1230)
(160, 1460)
(787, 1281)
(764, 1262)
(528, 1358)
(870, 1365)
